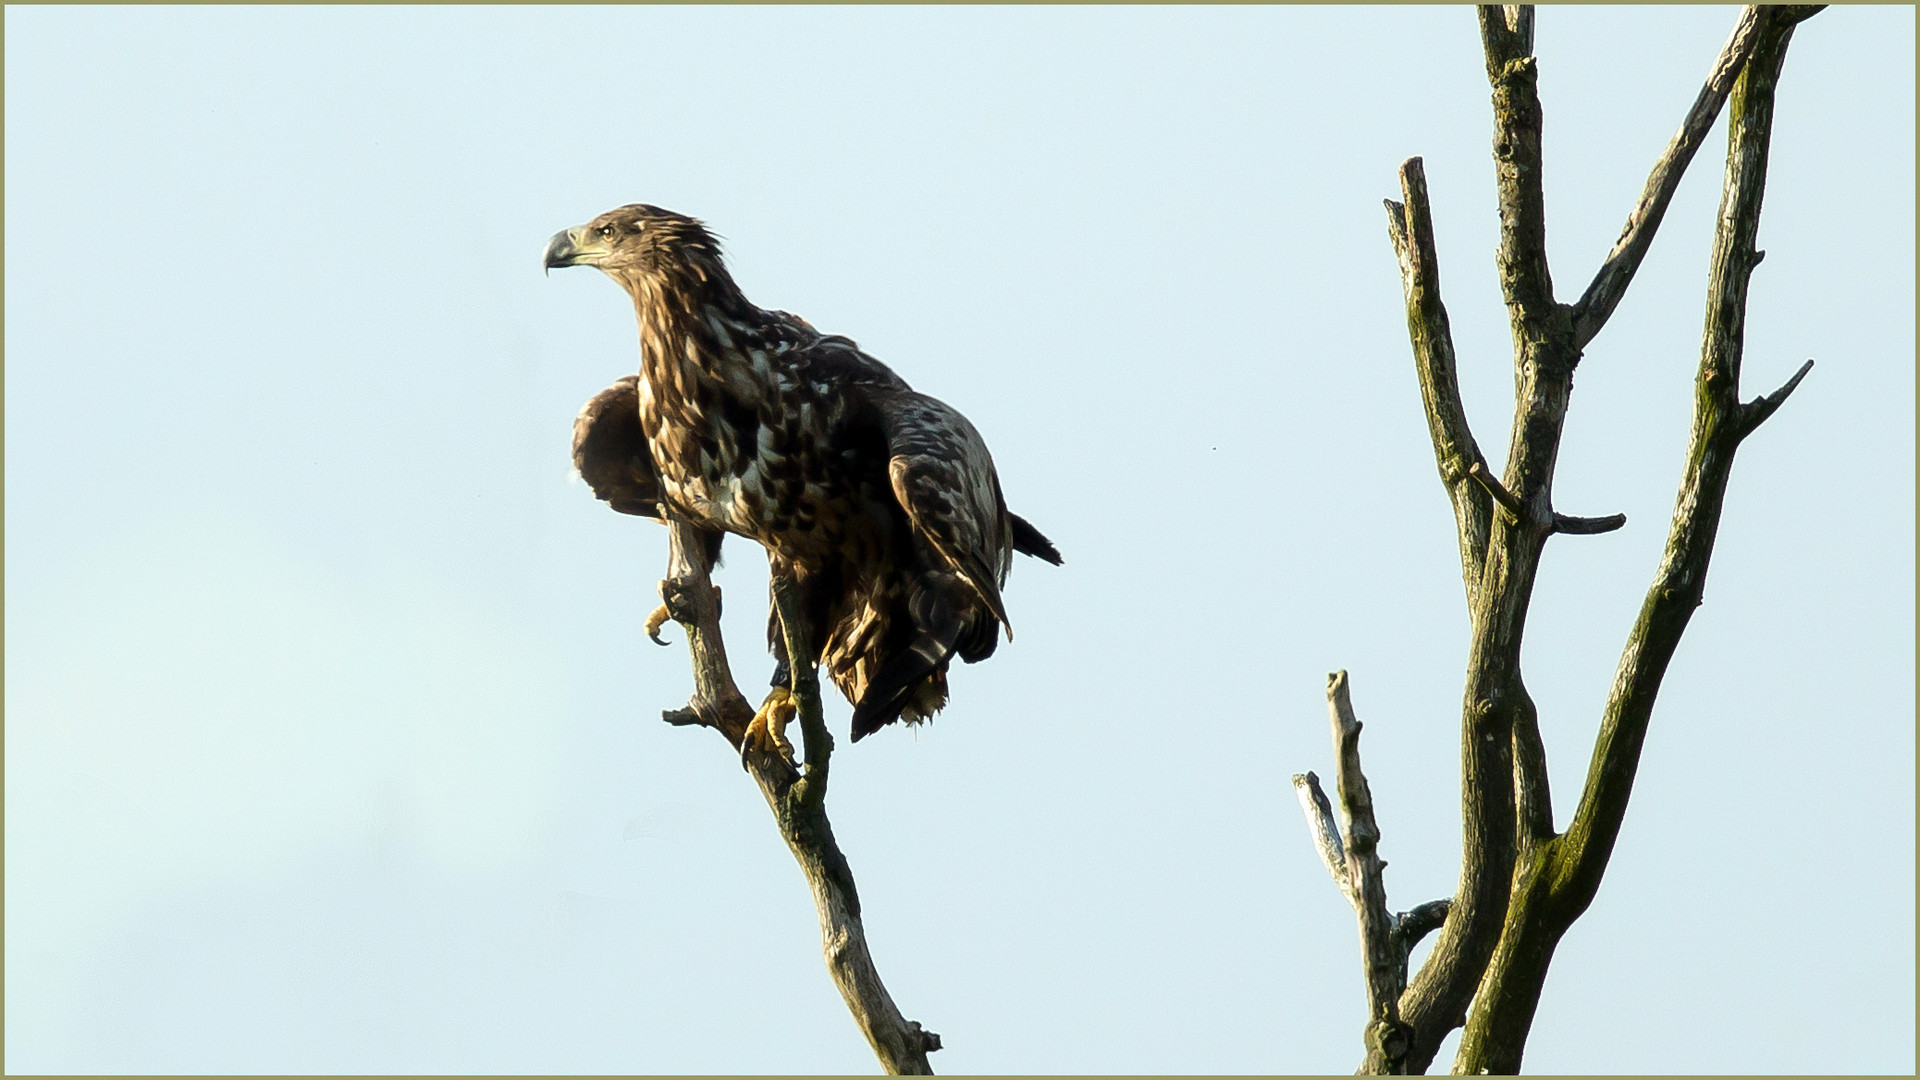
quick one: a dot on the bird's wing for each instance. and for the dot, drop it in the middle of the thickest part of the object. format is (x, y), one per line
(610, 450)
(944, 479)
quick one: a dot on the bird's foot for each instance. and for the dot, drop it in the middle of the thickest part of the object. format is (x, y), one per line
(766, 734)
(674, 607)
(657, 620)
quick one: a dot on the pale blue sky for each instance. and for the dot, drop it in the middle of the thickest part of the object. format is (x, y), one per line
(331, 737)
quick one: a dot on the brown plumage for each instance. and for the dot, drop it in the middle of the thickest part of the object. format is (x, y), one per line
(880, 502)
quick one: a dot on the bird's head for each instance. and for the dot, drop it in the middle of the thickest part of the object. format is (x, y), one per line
(638, 241)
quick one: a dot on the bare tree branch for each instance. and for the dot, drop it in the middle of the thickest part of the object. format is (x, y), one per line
(1412, 926)
(1500, 555)
(1524, 277)
(1519, 20)
(1437, 998)
(1720, 422)
(1507, 499)
(689, 598)
(1405, 930)
(1755, 412)
(796, 799)
(1498, 787)
(1324, 830)
(1388, 1038)
(1532, 801)
(1596, 305)
(1587, 526)
(1506, 32)
(1410, 224)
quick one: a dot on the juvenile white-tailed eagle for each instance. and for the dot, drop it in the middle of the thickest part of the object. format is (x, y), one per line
(880, 503)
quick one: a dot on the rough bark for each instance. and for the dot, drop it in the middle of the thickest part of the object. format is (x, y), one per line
(1521, 883)
(796, 797)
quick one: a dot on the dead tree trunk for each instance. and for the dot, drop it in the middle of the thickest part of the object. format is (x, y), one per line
(1522, 883)
(796, 797)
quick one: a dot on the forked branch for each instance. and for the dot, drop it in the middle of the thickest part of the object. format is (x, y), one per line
(797, 799)
(1354, 861)
(1596, 305)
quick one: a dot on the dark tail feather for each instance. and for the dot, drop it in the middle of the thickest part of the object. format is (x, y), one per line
(1028, 540)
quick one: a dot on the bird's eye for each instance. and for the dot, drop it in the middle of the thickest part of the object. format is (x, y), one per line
(606, 232)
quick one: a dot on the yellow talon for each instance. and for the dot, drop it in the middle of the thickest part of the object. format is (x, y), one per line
(663, 613)
(767, 732)
(657, 620)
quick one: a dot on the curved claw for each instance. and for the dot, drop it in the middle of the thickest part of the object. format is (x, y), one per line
(655, 621)
(766, 734)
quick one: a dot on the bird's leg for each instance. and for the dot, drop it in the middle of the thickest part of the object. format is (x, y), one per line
(766, 734)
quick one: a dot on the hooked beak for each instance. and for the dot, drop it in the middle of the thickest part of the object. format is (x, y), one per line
(570, 247)
(561, 250)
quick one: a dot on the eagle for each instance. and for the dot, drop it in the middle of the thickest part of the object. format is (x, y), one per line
(878, 503)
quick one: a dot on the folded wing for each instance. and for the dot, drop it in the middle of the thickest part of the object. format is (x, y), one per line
(610, 450)
(943, 477)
